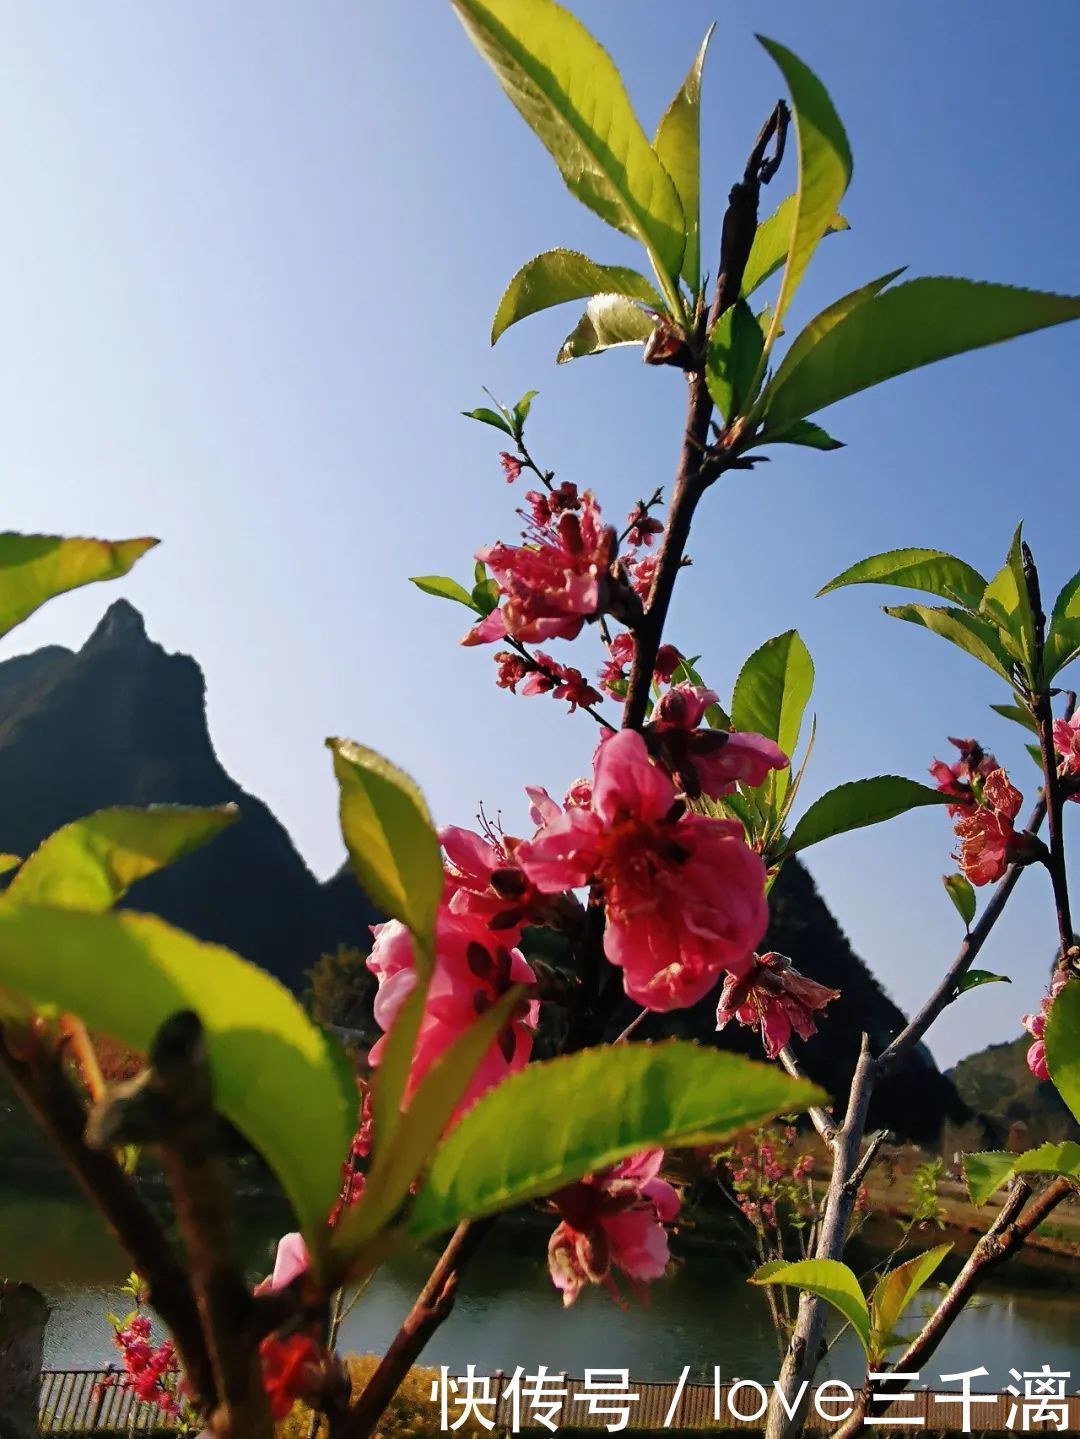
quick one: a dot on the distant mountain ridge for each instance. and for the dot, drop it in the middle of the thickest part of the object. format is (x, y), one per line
(121, 721)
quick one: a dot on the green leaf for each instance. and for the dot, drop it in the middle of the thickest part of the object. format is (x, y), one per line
(1019, 715)
(485, 597)
(859, 803)
(278, 1078)
(1006, 604)
(976, 977)
(772, 241)
(895, 1291)
(829, 1280)
(735, 347)
(392, 844)
(986, 1173)
(92, 863)
(557, 276)
(909, 326)
(1062, 1037)
(396, 1165)
(958, 888)
(490, 417)
(968, 632)
(8, 862)
(569, 92)
(521, 411)
(609, 320)
(934, 571)
(34, 568)
(824, 171)
(1061, 1159)
(1063, 636)
(678, 146)
(821, 325)
(802, 432)
(444, 588)
(772, 691)
(553, 1122)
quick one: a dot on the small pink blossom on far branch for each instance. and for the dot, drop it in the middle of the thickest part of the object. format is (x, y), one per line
(775, 998)
(668, 660)
(512, 670)
(642, 573)
(555, 581)
(1035, 1024)
(642, 527)
(614, 1219)
(563, 681)
(473, 968)
(684, 896)
(512, 466)
(988, 840)
(613, 676)
(1067, 744)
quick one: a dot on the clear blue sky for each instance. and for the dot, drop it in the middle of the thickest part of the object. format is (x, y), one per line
(248, 262)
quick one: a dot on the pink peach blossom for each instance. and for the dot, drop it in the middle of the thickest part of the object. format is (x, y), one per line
(684, 895)
(613, 1219)
(1067, 744)
(988, 839)
(775, 997)
(708, 761)
(473, 967)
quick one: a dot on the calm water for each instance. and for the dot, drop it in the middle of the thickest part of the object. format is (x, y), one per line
(509, 1314)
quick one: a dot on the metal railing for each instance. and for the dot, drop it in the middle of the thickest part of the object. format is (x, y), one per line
(78, 1401)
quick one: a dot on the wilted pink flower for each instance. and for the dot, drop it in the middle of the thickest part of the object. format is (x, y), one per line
(708, 761)
(776, 998)
(668, 660)
(553, 583)
(473, 968)
(512, 467)
(512, 670)
(563, 681)
(684, 896)
(956, 779)
(613, 1219)
(641, 574)
(988, 839)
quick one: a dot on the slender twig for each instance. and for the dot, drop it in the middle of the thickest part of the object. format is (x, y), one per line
(821, 1119)
(49, 1096)
(1010, 1229)
(539, 667)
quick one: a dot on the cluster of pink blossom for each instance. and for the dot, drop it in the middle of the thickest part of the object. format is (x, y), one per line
(983, 809)
(613, 1220)
(151, 1372)
(776, 998)
(540, 674)
(770, 1183)
(1035, 1024)
(1067, 743)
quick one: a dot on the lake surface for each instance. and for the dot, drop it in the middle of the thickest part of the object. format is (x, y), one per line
(508, 1313)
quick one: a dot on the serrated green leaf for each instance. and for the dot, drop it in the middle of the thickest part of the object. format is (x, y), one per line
(735, 347)
(934, 571)
(555, 1121)
(1062, 1038)
(609, 320)
(968, 632)
(857, 804)
(771, 693)
(566, 88)
(282, 1081)
(1006, 604)
(894, 1293)
(678, 146)
(392, 844)
(772, 241)
(1063, 635)
(976, 977)
(802, 432)
(829, 1280)
(521, 410)
(909, 326)
(1061, 1158)
(1019, 715)
(444, 588)
(958, 888)
(986, 1173)
(34, 568)
(824, 171)
(92, 863)
(489, 417)
(558, 276)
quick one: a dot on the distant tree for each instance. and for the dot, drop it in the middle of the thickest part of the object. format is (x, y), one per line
(341, 989)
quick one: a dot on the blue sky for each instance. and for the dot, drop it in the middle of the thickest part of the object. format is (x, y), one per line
(248, 263)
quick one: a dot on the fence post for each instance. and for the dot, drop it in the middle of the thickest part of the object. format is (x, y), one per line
(23, 1316)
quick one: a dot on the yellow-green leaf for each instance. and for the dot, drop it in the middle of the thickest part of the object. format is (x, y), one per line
(609, 320)
(279, 1079)
(772, 241)
(558, 276)
(968, 632)
(829, 1280)
(391, 840)
(894, 1293)
(933, 571)
(567, 89)
(93, 862)
(678, 145)
(34, 568)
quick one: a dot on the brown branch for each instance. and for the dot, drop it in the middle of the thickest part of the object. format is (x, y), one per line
(1005, 1236)
(171, 1107)
(821, 1119)
(695, 473)
(431, 1308)
(54, 1103)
